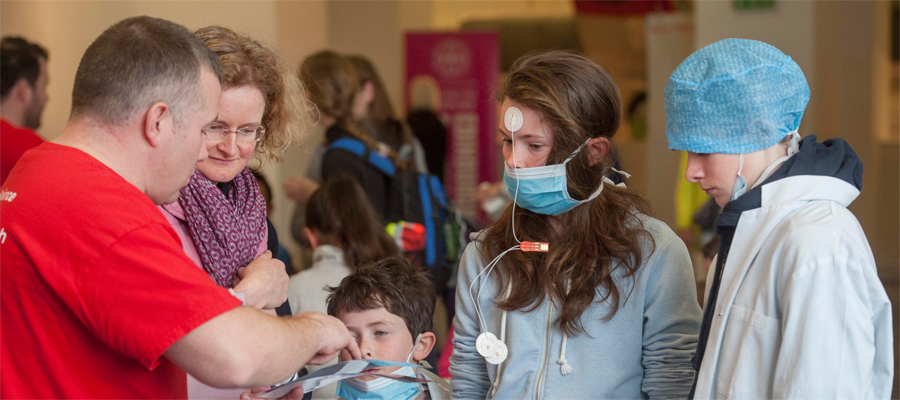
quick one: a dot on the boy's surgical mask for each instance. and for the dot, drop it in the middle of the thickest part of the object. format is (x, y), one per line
(382, 388)
(740, 184)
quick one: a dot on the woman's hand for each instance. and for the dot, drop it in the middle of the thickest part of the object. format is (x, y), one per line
(263, 282)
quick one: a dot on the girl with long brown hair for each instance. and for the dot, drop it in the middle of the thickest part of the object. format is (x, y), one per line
(334, 89)
(344, 232)
(575, 263)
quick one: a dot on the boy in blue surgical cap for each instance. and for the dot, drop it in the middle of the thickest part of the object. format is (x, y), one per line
(794, 307)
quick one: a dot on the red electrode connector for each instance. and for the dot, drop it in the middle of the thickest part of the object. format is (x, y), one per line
(542, 247)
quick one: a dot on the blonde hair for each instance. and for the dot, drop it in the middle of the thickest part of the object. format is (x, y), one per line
(246, 62)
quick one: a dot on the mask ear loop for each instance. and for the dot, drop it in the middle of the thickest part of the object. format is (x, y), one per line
(413, 351)
(794, 146)
(496, 384)
(409, 357)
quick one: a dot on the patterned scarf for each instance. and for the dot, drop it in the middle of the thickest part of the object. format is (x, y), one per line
(226, 229)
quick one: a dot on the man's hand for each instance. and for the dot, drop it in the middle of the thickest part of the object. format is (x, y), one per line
(334, 338)
(295, 394)
(299, 188)
(263, 282)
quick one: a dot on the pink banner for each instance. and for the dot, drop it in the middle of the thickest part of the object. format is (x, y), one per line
(460, 70)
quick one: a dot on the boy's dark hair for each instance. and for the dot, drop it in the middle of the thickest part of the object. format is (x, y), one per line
(402, 289)
(19, 59)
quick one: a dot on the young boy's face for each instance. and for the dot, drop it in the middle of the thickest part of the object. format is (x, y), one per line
(381, 336)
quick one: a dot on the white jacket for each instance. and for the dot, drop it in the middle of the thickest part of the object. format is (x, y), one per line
(801, 312)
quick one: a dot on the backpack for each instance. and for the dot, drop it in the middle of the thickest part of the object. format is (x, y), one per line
(416, 212)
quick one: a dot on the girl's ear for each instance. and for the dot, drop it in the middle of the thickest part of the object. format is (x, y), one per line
(598, 148)
(424, 347)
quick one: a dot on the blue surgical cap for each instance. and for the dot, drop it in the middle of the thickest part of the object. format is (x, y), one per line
(734, 96)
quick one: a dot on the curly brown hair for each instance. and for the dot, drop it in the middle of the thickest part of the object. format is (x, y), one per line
(247, 62)
(602, 240)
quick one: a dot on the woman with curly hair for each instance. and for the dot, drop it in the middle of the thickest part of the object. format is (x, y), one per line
(220, 216)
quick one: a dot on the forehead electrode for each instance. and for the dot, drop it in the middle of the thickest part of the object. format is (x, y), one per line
(513, 119)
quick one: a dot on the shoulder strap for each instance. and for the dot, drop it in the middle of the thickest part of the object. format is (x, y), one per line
(359, 148)
(437, 190)
(425, 198)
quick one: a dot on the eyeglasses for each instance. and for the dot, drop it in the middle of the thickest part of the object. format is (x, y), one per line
(244, 135)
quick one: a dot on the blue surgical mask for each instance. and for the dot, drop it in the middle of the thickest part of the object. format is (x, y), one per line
(544, 190)
(382, 388)
(740, 184)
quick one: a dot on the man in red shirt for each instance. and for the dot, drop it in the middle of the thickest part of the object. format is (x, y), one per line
(23, 94)
(97, 298)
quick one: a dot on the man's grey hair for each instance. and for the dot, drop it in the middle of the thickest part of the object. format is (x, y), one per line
(137, 62)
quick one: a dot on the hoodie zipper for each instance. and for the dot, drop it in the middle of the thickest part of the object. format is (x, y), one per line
(540, 381)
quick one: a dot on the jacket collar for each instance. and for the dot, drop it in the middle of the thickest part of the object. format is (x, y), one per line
(327, 253)
(829, 171)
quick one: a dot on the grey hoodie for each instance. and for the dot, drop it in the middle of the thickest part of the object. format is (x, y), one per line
(644, 351)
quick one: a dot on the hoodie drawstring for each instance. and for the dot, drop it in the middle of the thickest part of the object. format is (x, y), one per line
(496, 384)
(564, 367)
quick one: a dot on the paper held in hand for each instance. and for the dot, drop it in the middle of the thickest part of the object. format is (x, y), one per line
(334, 373)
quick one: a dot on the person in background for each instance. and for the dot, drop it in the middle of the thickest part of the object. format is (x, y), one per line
(282, 253)
(373, 109)
(97, 297)
(334, 89)
(604, 305)
(344, 232)
(794, 305)
(23, 95)
(426, 125)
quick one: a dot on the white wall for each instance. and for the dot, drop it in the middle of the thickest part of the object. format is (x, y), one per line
(66, 28)
(669, 42)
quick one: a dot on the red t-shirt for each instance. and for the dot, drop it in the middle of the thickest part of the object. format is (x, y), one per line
(14, 142)
(94, 286)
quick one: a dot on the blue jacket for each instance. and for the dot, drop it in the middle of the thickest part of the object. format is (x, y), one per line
(644, 351)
